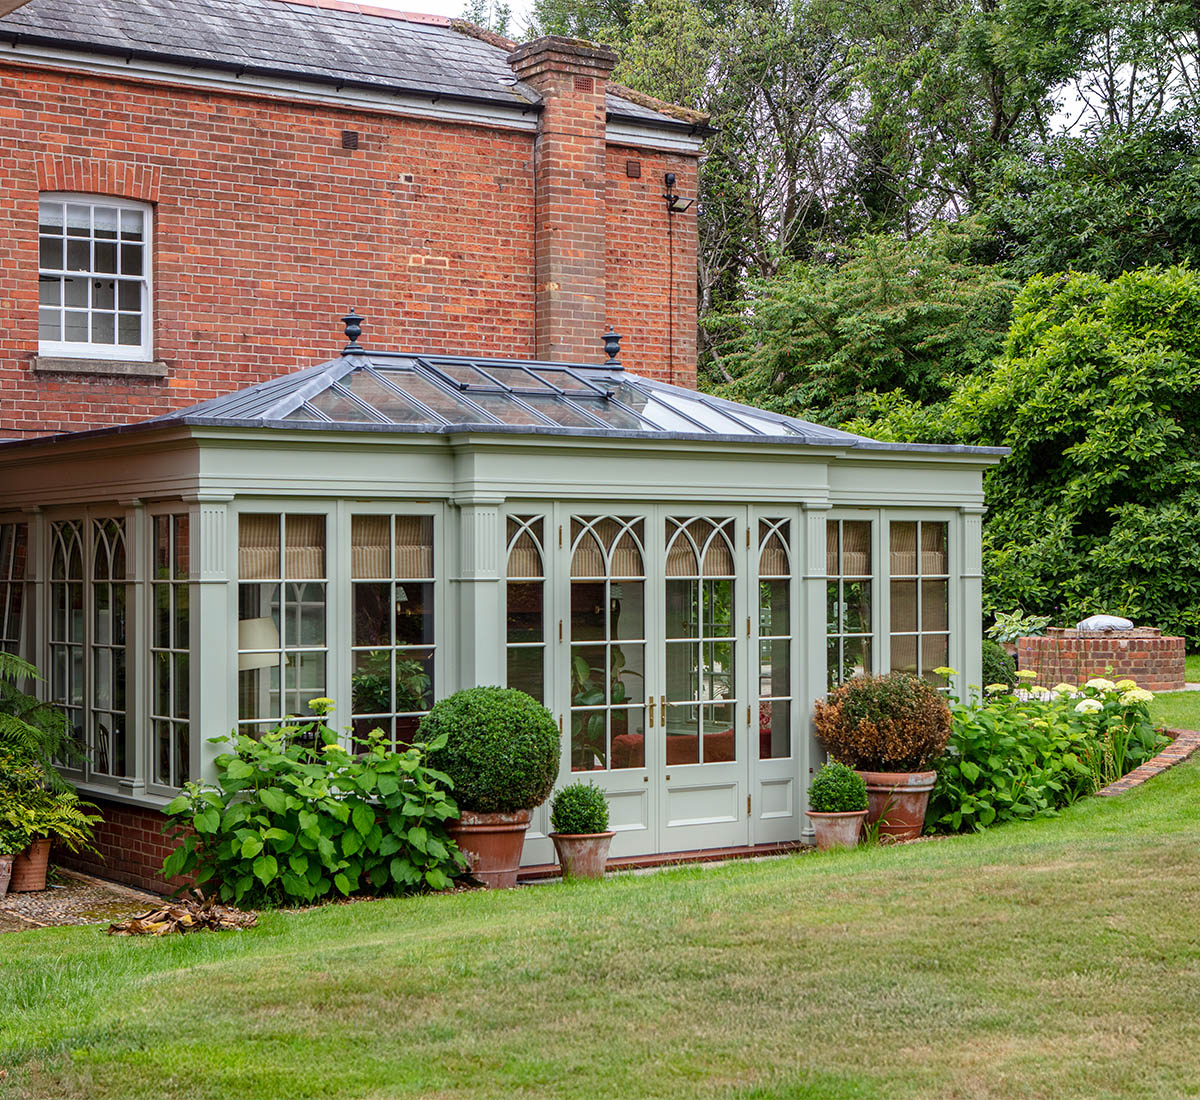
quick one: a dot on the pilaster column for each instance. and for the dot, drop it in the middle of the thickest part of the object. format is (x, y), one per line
(479, 576)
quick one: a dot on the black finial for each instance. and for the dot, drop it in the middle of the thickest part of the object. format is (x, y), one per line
(353, 324)
(612, 347)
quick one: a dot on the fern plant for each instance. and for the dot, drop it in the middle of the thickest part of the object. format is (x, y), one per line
(30, 727)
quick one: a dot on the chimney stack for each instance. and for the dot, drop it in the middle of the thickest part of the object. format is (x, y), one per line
(569, 187)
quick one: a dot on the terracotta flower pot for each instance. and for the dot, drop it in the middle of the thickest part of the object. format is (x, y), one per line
(837, 830)
(492, 844)
(582, 855)
(899, 799)
(29, 868)
(6, 863)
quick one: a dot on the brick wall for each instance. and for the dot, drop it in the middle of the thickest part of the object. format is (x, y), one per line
(266, 229)
(1073, 657)
(131, 846)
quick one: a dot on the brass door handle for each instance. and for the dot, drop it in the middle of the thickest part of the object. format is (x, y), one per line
(650, 708)
(662, 710)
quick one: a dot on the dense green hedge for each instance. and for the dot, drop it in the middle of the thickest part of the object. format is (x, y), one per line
(501, 748)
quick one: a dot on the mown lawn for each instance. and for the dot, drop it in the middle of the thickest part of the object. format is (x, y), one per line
(1058, 959)
(1177, 709)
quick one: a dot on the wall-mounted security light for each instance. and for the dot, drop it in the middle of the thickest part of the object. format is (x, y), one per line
(676, 204)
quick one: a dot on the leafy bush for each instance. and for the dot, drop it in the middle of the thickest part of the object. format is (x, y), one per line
(31, 810)
(1012, 625)
(837, 789)
(294, 817)
(499, 746)
(579, 808)
(896, 722)
(998, 666)
(30, 727)
(1098, 395)
(1012, 759)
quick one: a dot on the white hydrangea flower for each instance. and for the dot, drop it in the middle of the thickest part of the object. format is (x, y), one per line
(1101, 684)
(1125, 685)
(1088, 706)
(993, 689)
(1136, 695)
(1064, 689)
(1027, 674)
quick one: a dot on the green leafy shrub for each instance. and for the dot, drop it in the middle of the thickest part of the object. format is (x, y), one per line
(579, 808)
(998, 666)
(896, 722)
(295, 816)
(1012, 759)
(837, 789)
(1010, 626)
(499, 746)
(30, 809)
(30, 727)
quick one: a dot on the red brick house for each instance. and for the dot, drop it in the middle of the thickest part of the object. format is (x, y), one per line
(268, 159)
(208, 517)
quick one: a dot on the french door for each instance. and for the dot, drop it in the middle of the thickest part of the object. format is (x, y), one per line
(661, 671)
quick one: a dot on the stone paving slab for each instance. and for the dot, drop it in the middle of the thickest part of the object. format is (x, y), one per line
(76, 899)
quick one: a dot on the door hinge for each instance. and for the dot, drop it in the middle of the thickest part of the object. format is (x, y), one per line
(560, 622)
(747, 626)
(747, 805)
(747, 715)
(560, 724)
(747, 538)
(560, 536)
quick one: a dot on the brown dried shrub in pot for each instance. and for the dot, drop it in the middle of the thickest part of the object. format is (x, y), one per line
(893, 723)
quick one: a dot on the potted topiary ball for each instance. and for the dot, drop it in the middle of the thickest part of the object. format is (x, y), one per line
(837, 805)
(501, 752)
(889, 728)
(579, 820)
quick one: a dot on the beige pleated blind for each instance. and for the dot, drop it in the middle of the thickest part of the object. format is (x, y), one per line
(607, 540)
(627, 557)
(773, 558)
(304, 547)
(414, 548)
(258, 547)
(524, 556)
(934, 557)
(832, 565)
(904, 549)
(370, 548)
(681, 558)
(856, 548)
(718, 558)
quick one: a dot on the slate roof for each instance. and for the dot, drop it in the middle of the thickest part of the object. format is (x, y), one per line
(397, 391)
(272, 37)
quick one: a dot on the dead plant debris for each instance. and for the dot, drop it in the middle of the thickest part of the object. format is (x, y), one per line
(197, 914)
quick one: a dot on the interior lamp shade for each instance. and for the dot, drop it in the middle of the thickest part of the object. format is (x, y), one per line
(257, 634)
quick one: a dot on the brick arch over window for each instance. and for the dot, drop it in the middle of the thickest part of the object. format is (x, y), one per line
(83, 175)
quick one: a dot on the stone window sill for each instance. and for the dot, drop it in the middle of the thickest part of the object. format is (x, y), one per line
(119, 368)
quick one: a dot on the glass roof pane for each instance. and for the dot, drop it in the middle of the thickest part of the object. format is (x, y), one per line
(560, 411)
(462, 372)
(616, 417)
(337, 406)
(565, 381)
(502, 406)
(708, 416)
(302, 413)
(654, 408)
(768, 427)
(398, 409)
(444, 403)
(515, 377)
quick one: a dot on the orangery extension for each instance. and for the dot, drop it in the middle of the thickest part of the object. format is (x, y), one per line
(676, 577)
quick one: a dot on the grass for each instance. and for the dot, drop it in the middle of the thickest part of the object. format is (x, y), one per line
(1180, 709)
(1057, 958)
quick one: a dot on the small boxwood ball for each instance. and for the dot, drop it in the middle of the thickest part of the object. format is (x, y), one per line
(837, 789)
(579, 808)
(501, 750)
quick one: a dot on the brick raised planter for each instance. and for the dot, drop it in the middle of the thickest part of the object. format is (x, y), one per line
(1073, 656)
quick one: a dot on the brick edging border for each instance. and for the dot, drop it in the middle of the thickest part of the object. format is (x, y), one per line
(1183, 744)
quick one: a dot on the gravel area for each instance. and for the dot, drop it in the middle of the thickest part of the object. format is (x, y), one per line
(75, 899)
